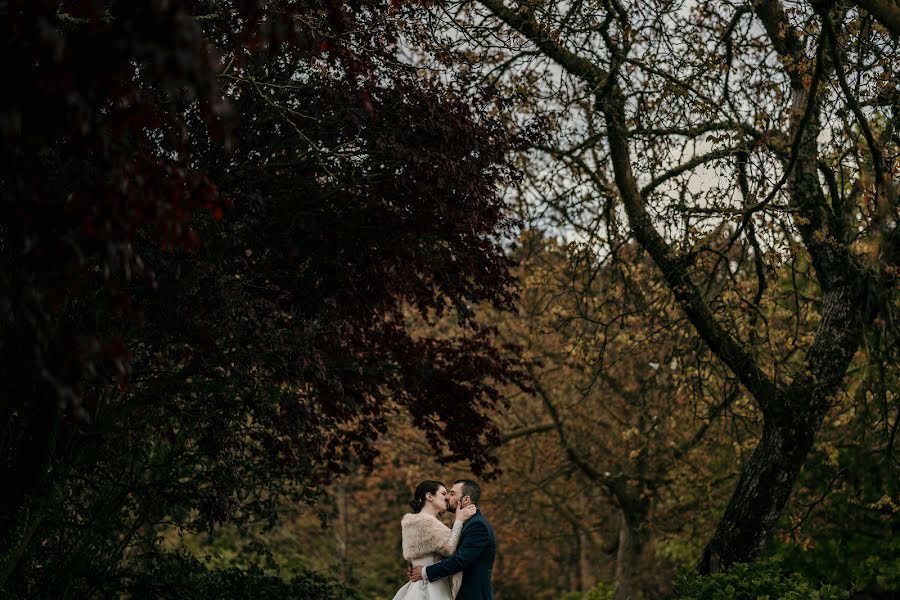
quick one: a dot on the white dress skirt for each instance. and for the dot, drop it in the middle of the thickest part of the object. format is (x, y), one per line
(422, 590)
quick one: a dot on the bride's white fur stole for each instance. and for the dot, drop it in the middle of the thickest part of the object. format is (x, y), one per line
(423, 535)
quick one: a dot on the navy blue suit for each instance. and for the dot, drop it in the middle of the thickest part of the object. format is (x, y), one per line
(474, 557)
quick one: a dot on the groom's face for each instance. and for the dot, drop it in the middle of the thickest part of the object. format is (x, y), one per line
(455, 497)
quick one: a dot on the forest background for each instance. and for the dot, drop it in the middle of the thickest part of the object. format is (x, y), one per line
(268, 264)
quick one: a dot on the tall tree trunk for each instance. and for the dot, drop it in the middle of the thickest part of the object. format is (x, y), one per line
(761, 494)
(790, 426)
(586, 566)
(792, 421)
(630, 547)
(577, 582)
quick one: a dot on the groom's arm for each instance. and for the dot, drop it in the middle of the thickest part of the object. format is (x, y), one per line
(475, 540)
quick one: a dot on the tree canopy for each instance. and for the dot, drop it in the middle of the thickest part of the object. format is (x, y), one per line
(722, 137)
(214, 215)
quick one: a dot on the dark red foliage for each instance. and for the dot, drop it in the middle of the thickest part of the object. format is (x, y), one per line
(214, 218)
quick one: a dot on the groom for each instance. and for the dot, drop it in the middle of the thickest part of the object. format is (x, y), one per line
(474, 555)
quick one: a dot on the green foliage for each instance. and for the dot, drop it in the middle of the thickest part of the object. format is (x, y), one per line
(601, 591)
(760, 581)
(298, 546)
(850, 561)
(170, 575)
(179, 576)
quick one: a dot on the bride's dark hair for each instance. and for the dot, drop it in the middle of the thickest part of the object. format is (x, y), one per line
(426, 487)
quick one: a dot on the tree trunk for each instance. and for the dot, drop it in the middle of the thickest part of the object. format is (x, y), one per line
(791, 423)
(586, 566)
(761, 494)
(629, 552)
(577, 581)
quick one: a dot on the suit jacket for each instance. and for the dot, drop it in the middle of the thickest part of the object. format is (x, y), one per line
(474, 557)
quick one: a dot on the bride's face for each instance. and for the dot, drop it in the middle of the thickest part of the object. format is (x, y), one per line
(439, 499)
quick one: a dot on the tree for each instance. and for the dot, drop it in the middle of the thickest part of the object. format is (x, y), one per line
(213, 217)
(711, 127)
(628, 440)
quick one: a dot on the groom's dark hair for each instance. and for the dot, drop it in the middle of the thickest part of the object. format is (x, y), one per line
(470, 489)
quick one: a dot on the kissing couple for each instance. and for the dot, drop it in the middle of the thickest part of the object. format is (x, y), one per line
(445, 563)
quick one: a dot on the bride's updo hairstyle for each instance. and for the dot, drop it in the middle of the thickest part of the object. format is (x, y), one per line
(423, 489)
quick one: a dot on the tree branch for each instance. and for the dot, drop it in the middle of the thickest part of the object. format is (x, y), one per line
(885, 12)
(853, 103)
(673, 267)
(576, 459)
(818, 225)
(693, 163)
(526, 431)
(522, 21)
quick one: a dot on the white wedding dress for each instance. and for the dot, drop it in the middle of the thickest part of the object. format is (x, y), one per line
(426, 540)
(422, 590)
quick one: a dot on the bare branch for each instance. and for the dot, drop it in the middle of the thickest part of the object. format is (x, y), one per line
(700, 159)
(526, 431)
(522, 21)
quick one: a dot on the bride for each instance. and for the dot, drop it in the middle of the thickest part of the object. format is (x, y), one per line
(426, 540)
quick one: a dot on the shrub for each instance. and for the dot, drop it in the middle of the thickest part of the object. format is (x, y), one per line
(181, 576)
(863, 563)
(171, 576)
(759, 581)
(601, 591)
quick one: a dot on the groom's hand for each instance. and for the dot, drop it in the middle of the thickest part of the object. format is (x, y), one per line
(415, 574)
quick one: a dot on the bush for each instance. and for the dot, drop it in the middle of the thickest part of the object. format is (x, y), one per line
(181, 576)
(863, 563)
(601, 591)
(759, 581)
(171, 576)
